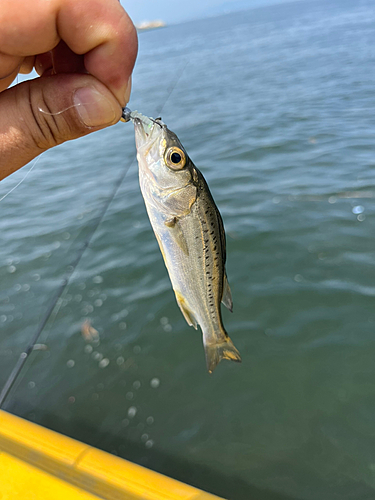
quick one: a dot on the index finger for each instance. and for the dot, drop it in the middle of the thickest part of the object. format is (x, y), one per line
(100, 30)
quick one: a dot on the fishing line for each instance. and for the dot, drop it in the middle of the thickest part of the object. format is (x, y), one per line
(63, 110)
(71, 269)
(21, 181)
(172, 87)
(60, 290)
(36, 161)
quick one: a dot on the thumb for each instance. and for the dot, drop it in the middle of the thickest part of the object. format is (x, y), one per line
(39, 114)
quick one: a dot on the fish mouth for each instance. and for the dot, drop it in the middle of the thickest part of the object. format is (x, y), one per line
(142, 132)
(146, 129)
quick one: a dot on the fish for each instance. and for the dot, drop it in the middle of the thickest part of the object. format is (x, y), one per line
(190, 232)
(89, 333)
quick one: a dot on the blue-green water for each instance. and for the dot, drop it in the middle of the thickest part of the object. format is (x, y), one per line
(276, 106)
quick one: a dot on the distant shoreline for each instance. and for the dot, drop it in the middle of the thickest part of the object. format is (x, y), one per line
(150, 25)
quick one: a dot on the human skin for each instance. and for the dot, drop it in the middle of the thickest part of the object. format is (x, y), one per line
(84, 51)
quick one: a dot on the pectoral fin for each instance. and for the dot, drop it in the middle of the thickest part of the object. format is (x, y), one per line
(177, 234)
(227, 294)
(188, 314)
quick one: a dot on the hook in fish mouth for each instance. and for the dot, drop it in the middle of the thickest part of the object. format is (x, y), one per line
(128, 114)
(158, 122)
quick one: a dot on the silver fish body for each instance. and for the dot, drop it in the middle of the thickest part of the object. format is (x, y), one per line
(190, 233)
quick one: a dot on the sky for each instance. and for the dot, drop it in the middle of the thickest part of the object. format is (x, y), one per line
(175, 11)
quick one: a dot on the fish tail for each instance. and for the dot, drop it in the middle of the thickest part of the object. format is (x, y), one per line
(218, 351)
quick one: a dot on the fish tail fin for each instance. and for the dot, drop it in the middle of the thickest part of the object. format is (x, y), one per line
(218, 351)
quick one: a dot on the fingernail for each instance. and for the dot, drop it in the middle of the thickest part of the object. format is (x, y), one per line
(94, 109)
(128, 90)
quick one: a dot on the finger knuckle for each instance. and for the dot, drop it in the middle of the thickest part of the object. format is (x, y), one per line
(47, 129)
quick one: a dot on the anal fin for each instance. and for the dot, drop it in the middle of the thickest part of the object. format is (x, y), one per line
(188, 314)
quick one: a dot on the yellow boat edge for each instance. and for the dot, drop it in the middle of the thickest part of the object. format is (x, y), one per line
(36, 462)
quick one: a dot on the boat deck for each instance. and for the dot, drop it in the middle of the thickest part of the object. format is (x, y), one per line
(39, 464)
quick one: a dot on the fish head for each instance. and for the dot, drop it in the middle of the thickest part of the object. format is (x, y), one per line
(160, 153)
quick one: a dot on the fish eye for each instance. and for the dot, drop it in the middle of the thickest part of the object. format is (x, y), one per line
(175, 158)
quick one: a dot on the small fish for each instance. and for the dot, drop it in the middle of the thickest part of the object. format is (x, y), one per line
(189, 230)
(88, 332)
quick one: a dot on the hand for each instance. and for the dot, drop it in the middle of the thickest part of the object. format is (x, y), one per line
(84, 51)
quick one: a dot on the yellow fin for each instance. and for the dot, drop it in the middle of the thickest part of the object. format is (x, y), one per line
(216, 352)
(188, 315)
